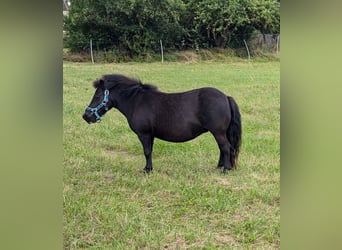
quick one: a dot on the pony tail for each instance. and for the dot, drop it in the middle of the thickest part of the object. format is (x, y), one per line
(234, 131)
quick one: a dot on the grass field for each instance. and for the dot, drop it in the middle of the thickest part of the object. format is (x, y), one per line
(186, 203)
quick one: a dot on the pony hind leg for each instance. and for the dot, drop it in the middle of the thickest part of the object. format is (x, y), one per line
(224, 147)
(220, 162)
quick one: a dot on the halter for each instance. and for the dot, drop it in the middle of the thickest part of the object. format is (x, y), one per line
(100, 106)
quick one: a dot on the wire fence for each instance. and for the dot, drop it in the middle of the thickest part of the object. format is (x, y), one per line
(264, 43)
(258, 45)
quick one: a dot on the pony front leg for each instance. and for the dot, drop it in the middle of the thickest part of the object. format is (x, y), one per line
(147, 143)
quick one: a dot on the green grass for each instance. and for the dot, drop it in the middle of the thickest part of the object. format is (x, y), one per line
(186, 203)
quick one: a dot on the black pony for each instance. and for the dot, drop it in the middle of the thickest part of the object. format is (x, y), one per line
(175, 117)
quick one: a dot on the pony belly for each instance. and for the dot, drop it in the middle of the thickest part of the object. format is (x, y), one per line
(179, 136)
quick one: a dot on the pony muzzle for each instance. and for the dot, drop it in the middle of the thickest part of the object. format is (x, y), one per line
(93, 115)
(89, 117)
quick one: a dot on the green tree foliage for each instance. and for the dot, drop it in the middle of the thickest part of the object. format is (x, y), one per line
(266, 16)
(217, 23)
(136, 26)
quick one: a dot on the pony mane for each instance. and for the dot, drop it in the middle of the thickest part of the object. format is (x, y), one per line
(127, 86)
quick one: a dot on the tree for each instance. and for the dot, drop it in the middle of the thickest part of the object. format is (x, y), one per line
(217, 23)
(135, 26)
(265, 16)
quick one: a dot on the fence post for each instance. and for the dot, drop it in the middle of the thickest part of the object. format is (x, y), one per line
(277, 44)
(91, 51)
(249, 56)
(161, 49)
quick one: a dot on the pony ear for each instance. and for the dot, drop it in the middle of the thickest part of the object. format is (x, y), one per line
(98, 83)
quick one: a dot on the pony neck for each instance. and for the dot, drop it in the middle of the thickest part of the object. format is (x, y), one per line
(126, 105)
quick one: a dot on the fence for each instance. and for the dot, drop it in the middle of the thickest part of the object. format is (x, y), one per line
(269, 43)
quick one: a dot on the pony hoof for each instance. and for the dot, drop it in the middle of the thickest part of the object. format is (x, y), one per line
(225, 170)
(147, 170)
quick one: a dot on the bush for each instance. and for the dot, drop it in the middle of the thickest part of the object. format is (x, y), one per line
(135, 27)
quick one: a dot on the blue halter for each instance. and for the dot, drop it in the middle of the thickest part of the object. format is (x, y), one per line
(100, 106)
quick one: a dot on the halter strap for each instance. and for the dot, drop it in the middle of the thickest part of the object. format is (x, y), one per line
(100, 106)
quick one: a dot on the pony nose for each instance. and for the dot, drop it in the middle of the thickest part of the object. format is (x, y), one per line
(86, 118)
